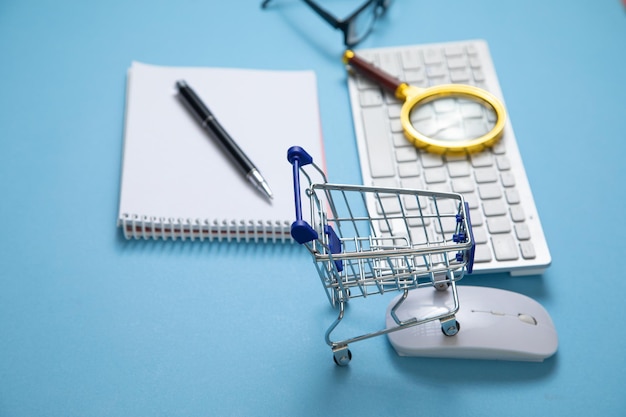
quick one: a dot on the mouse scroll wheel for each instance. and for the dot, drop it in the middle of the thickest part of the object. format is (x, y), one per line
(527, 319)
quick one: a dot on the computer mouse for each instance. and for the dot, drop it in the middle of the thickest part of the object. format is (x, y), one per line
(493, 324)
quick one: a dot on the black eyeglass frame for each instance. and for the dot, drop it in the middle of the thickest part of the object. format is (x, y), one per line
(345, 24)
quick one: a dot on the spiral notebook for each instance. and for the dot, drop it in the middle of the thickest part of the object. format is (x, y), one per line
(176, 180)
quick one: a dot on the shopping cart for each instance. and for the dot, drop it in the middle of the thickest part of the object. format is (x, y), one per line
(361, 244)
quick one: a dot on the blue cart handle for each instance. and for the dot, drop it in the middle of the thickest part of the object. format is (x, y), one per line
(472, 250)
(301, 231)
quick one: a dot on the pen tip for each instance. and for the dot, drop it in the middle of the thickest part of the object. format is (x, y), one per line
(181, 84)
(259, 182)
(265, 188)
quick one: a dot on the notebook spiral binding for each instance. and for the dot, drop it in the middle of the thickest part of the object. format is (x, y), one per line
(146, 227)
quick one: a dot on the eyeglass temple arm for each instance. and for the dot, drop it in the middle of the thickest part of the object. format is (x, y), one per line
(329, 18)
(323, 14)
(365, 68)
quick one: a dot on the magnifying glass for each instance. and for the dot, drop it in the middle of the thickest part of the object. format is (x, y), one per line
(443, 118)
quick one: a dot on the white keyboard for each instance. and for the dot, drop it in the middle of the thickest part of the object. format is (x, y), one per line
(505, 222)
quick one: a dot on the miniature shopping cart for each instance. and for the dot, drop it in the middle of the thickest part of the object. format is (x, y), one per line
(374, 240)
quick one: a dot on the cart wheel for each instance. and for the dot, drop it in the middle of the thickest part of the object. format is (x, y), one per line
(442, 285)
(450, 329)
(342, 357)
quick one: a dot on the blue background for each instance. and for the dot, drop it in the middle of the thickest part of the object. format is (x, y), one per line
(93, 325)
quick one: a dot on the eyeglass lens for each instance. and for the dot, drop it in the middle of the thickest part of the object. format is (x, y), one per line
(362, 24)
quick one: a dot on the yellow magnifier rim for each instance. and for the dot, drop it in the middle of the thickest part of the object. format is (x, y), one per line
(417, 96)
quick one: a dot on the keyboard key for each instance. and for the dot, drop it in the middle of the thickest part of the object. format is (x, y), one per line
(457, 62)
(459, 169)
(385, 226)
(370, 98)
(455, 156)
(390, 63)
(499, 224)
(499, 148)
(517, 213)
(411, 59)
(390, 98)
(521, 231)
(484, 175)
(472, 110)
(394, 110)
(503, 163)
(439, 187)
(388, 206)
(417, 218)
(528, 250)
(512, 196)
(481, 159)
(462, 186)
(407, 154)
(416, 204)
(444, 105)
(474, 62)
(478, 75)
(459, 75)
(379, 150)
(505, 248)
(408, 169)
(412, 183)
(453, 51)
(445, 206)
(399, 140)
(508, 179)
(396, 126)
(494, 208)
(435, 71)
(482, 254)
(430, 160)
(489, 191)
(432, 56)
(448, 224)
(472, 200)
(475, 128)
(477, 218)
(364, 83)
(435, 175)
(419, 235)
(415, 77)
(389, 182)
(480, 234)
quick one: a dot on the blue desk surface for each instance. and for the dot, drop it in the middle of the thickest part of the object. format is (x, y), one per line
(93, 325)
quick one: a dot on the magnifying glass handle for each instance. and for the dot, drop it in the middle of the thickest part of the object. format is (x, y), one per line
(363, 67)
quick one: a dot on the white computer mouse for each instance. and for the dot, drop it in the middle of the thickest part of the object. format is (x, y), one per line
(494, 324)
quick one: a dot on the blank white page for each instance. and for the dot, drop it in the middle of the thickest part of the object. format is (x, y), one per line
(173, 169)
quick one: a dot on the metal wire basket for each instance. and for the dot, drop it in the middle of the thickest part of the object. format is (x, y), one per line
(364, 242)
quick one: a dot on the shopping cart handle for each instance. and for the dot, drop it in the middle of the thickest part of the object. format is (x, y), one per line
(472, 250)
(462, 237)
(301, 231)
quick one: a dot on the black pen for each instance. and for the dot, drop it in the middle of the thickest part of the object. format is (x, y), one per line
(210, 123)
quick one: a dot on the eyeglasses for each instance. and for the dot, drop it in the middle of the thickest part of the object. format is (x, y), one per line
(355, 27)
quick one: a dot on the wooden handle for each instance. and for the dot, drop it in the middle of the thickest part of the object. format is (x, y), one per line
(367, 69)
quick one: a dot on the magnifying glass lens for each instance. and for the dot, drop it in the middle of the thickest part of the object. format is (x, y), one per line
(452, 118)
